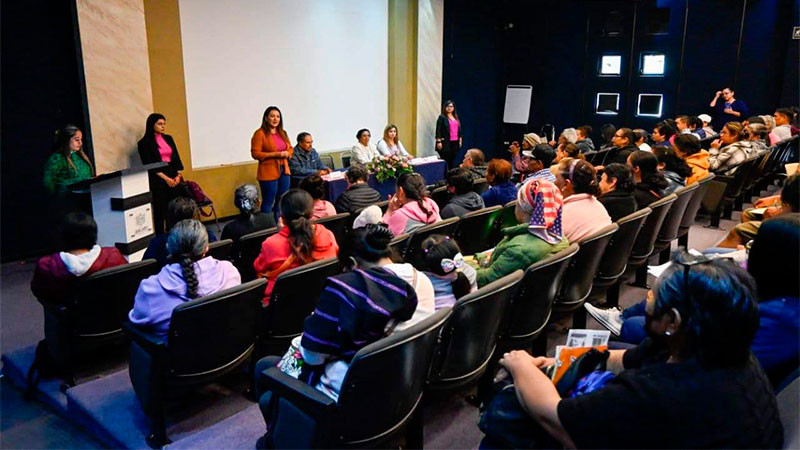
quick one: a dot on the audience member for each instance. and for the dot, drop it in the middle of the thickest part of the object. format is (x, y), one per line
(55, 275)
(502, 190)
(539, 160)
(250, 219)
(358, 194)
(155, 147)
(705, 120)
(607, 132)
(584, 142)
(691, 125)
(178, 209)
(729, 109)
(194, 275)
(701, 321)
(475, 162)
(363, 152)
(650, 183)
(315, 186)
(583, 214)
(448, 133)
(624, 143)
(783, 129)
(536, 236)
(642, 137)
(298, 242)
(673, 167)
(758, 135)
(464, 200)
(731, 149)
(444, 264)
(688, 147)
(390, 144)
(410, 207)
(370, 215)
(662, 133)
(519, 160)
(616, 186)
(569, 150)
(305, 159)
(568, 136)
(270, 146)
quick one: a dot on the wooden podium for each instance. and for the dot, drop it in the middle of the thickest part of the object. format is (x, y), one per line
(121, 207)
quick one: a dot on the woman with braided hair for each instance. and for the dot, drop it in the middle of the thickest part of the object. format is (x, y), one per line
(298, 242)
(194, 275)
(410, 207)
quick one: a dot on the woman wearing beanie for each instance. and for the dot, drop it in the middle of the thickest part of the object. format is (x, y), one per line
(250, 218)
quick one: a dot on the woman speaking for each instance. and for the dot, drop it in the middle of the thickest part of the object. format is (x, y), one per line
(68, 164)
(448, 133)
(155, 146)
(271, 147)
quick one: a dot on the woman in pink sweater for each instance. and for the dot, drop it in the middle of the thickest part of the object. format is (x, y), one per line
(410, 207)
(583, 214)
(315, 186)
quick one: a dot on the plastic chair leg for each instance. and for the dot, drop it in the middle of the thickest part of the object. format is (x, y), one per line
(641, 277)
(663, 257)
(612, 295)
(683, 241)
(414, 429)
(158, 438)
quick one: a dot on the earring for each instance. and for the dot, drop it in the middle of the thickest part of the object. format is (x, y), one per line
(668, 333)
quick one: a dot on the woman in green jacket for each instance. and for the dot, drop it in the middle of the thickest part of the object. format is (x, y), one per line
(68, 164)
(539, 234)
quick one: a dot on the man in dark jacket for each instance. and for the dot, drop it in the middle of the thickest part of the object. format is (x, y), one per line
(616, 186)
(305, 159)
(584, 142)
(358, 194)
(475, 162)
(624, 143)
(465, 200)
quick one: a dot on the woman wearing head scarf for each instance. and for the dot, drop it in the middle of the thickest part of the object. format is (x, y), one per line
(538, 211)
(250, 218)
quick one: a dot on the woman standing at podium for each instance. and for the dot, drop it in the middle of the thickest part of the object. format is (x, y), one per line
(68, 164)
(448, 133)
(155, 147)
(271, 147)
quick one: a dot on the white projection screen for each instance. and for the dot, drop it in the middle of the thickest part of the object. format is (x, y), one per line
(322, 62)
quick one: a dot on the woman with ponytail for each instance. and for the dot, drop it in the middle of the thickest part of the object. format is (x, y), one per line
(192, 276)
(731, 149)
(250, 218)
(410, 207)
(444, 265)
(650, 182)
(584, 215)
(299, 241)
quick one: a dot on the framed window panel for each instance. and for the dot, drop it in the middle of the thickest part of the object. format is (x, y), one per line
(610, 66)
(649, 105)
(652, 64)
(607, 103)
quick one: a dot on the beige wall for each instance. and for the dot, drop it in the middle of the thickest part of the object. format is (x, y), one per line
(117, 71)
(430, 42)
(402, 70)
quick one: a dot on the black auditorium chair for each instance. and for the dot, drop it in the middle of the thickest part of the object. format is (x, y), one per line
(507, 219)
(412, 251)
(399, 243)
(328, 161)
(532, 304)
(338, 224)
(724, 190)
(221, 250)
(468, 339)
(692, 208)
(615, 257)
(294, 297)
(645, 241)
(208, 337)
(441, 196)
(93, 318)
(672, 222)
(476, 229)
(249, 248)
(576, 285)
(381, 393)
(480, 185)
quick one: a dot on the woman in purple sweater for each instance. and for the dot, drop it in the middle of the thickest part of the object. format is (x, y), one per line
(193, 276)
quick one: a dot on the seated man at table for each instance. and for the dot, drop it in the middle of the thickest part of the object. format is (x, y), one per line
(465, 200)
(358, 194)
(305, 159)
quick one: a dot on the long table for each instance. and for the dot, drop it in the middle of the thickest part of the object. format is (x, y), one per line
(432, 172)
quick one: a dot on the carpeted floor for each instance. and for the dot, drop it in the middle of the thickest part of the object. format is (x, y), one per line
(450, 421)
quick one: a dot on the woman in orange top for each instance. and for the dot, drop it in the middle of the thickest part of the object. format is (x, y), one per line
(270, 145)
(298, 243)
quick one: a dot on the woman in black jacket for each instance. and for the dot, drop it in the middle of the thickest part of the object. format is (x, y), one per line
(448, 133)
(155, 146)
(650, 182)
(616, 186)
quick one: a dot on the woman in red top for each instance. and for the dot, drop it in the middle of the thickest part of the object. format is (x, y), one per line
(271, 147)
(299, 242)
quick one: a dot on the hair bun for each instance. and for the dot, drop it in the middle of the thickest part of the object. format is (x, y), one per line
(378, 236)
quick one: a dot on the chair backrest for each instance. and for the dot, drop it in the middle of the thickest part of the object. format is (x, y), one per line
(508, 218)
(740, 177)
(615, 257)
(399, 244)
(469, 336)
(445, 227)
(295, 296)
(480, 185)
(327, 160)
(208, 334)
(441, 196)
(221, 249)
(476, 228)
(249, 248)
(337, 224)
(103, 299)
(577, 282)
(645, 241)
(346, 161)
(533, 302)
(672, 221)
(391, 373)
(694, 204)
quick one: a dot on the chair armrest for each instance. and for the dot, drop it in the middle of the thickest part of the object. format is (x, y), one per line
(306, 398)
(148, 341)
(727, 179)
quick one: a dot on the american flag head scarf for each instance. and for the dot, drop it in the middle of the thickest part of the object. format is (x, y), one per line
(542, 200)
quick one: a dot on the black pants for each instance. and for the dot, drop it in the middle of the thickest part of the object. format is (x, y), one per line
(162, 195)
(448, 152)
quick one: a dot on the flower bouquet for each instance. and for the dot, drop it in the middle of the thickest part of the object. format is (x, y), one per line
(389, 167)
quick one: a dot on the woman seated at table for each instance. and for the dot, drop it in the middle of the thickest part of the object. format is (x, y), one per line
(692, 384)
(250, 218)
(410, 207)
(315, 186)
(537, 236)
(390, 144)
(299, 241)
(364, 151)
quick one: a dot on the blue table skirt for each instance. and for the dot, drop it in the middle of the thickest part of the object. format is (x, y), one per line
(431, 172)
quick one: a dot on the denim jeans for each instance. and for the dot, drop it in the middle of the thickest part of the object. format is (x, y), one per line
(271, 192)
(633, 331)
